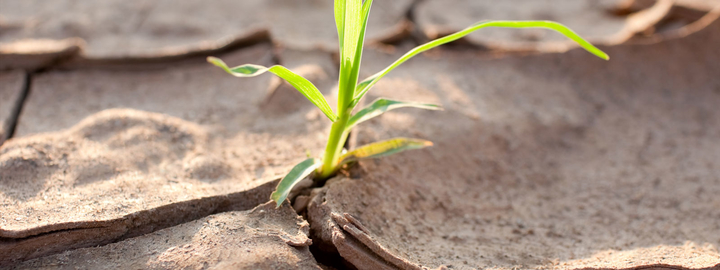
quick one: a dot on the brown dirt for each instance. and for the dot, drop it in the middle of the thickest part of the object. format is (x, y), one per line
(33, 54)
(117, 174)
(592, 19)
(11, 88)
(218, 144)
(137, 28)
(262, 238)
(241, 114)
(679, 19)
(546, 161)
(706, 5)
(553, 161)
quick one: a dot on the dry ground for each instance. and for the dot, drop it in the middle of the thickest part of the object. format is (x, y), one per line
(126, 150)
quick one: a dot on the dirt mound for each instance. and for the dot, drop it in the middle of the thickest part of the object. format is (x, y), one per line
(118, 174)
(209, 146)
(554, 161)
(262, 238)
(244, 118)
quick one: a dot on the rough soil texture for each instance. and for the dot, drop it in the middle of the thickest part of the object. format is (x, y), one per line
(683, 13)
(32, 54)
(118, 174)
(706, 5)
(132, 152)
(248, 122)
(152, 149)
(11, 88)
(553, 161)
(592, 19)
(139, 28)
(262, 238)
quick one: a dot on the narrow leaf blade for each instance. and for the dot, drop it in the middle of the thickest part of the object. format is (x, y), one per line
(298, 173)
(340, 20)
(301, 84)
(368, 83)
(381, 106)
(359, 44)
(384, 148)
(351, 31)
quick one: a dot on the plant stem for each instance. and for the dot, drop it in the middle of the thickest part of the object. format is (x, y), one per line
(334, 146)
(346, 92)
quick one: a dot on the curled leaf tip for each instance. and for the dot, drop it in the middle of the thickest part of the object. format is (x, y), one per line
(368, 83)
(428, 143)
(601, 54)
(303, 85)
(214, 60)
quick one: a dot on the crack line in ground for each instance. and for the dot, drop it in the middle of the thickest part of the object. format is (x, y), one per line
(152, 220)
(259, 36)
(18, 106)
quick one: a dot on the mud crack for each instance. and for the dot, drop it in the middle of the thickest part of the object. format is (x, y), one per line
(17, 108)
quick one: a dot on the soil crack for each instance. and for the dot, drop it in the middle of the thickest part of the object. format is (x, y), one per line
(17, 107)
(89, 234)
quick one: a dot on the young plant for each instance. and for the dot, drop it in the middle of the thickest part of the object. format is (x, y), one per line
(351, 17)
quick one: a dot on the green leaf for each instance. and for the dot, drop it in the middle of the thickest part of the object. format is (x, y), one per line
(340, 20)
(351, 29)
(381, 106)
(352, 39)
(383, 148)
(298, 173)
(365, 85)
(301, 84)
(359, 48)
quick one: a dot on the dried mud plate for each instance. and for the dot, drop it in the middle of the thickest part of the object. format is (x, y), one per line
(262, 238)
(554, 161)
(152, 149)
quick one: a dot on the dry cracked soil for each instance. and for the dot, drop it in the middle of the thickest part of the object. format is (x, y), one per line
(121, 148)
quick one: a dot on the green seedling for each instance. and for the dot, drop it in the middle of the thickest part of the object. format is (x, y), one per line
(351, 17)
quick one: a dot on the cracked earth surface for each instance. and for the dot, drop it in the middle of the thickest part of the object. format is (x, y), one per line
(121, 148)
